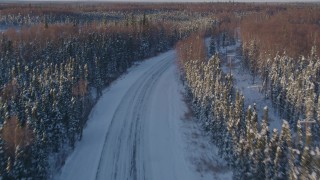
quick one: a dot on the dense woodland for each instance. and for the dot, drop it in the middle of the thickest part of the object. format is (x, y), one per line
(251, 149)
(290, 74)
(56, 58)
(53, 72)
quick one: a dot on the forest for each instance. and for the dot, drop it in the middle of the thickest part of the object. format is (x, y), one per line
(281, 47)
(57, 58)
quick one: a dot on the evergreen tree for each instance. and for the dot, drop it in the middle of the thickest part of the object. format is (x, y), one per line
(305, 163)
(19, 168)
(254, 120)
(74, 122)
(212, 46)
(242, 167)
(283, 152)
(268, 164)
(248, 124)
(299, 136)
(2, 159)
(265, 126)
(259, 166)
(40, 165)
(9, 166)
(270, 155)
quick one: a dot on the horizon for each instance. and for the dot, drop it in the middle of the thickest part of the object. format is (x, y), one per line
(168, 1)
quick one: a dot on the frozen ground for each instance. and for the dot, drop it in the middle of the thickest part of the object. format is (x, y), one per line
(139, 129)
(243, 83)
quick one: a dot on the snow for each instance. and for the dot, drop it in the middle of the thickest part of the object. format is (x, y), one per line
(243, 83)
(138, 130)
(4, 28)
(202, 153)
(93, 93)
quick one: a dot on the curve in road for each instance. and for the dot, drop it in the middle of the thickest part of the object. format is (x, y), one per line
(133, 132)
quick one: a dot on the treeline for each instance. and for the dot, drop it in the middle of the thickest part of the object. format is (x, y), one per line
(50, 78)
(28, 14)
(245, 142)
(213, 7)
(294, 30)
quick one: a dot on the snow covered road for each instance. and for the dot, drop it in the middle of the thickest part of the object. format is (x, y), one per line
(133, 132)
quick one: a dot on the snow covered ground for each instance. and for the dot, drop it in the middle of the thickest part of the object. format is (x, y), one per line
(139, 130)
(243, 83)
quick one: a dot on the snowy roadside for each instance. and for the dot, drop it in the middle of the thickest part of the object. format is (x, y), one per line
(199, 148)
